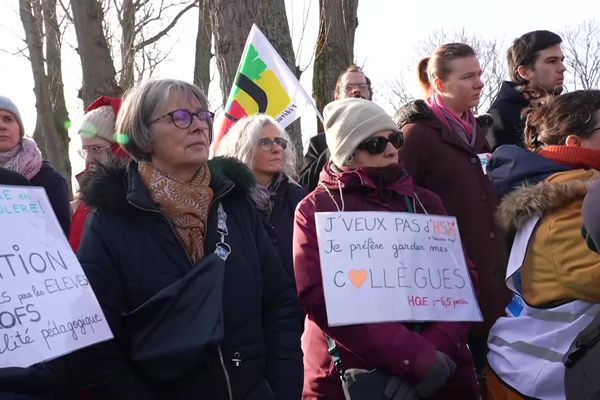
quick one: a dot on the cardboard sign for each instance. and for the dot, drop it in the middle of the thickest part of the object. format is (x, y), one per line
(386, 266)
(47, 307)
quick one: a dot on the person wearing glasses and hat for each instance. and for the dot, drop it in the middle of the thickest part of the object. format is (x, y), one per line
(265, 147)
(431, 360)
(176, 253)
(99, 145)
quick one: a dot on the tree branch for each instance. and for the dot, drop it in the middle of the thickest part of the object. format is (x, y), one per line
(66, 11)
(162, 33)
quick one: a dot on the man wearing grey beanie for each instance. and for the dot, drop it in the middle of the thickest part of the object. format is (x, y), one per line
(412, 360)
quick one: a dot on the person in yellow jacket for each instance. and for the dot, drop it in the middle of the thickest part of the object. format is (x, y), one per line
(553, 273)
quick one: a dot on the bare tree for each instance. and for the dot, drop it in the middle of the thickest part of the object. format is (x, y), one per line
(231, 21)
(581, 44)
(55, 79)
(136, 18)
(335, 47)
(99, 75)
(203, 47)
(394, 92)
(142, 26)
(490, 53)
(275, 26)
(39, 20)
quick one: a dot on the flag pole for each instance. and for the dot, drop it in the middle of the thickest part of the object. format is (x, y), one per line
(318, 113)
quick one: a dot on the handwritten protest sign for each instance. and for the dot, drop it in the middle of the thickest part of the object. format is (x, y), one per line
(47, 307)
(385, 266)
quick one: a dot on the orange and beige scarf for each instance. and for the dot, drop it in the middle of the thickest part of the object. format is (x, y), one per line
(185, 204)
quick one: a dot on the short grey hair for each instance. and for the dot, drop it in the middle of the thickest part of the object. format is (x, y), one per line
(140, 106)
(241, 142)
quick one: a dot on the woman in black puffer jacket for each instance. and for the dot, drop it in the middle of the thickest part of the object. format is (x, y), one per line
(161, 219)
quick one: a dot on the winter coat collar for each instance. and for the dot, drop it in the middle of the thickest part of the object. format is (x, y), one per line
(419, 111)
(513, 166)
(551, 194)
(115, 185)
(508, 93)
(393, 178)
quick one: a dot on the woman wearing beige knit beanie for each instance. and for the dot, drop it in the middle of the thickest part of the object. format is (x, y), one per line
(364, 174)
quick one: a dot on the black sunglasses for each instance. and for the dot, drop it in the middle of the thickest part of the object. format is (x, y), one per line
(378, 144)
(182, 118)
(266, 144)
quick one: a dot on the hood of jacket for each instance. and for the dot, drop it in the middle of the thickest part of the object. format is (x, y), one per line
(512, 166)
(546, 196)
(114, 185)
(418, 110)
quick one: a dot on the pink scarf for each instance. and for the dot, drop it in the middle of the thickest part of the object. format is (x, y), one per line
(25, 158)
(466, 122)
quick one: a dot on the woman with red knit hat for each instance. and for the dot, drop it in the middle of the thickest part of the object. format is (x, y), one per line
(99, 144)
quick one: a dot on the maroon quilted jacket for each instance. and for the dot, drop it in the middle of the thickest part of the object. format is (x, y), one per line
(406, 350)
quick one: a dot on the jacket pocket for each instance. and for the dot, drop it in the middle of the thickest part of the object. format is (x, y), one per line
(261, 392)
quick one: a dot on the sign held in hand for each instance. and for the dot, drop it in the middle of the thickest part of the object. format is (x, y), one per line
(47, 307)
(388, 266)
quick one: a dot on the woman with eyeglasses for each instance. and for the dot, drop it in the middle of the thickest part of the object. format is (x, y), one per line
(260, 143)
(427, 360)
(187, 278)
(22, 155)
(99, 145)
(557, 274)
(446, 151)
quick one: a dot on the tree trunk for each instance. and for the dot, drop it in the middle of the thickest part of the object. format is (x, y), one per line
(38, 136)
(231, 21)
(96, 63)
(55, 81)
(31, 17)
(335, 47)
(275, 26)
(127, 20)
(203, 45)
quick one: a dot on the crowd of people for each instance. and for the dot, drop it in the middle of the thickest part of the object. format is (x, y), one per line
(231, 242)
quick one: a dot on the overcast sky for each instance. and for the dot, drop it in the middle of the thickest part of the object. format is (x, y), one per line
(388, 33)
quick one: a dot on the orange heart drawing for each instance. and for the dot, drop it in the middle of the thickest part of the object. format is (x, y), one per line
(358, 277)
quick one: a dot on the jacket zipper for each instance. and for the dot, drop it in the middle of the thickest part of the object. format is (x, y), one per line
(230, 393)
(222, 362)
(170, 225)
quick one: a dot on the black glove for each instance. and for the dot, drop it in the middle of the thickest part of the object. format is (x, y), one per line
(437, 376)
(397, 389)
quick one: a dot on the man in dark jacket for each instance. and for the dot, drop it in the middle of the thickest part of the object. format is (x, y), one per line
(351, 83)
(535, 62)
